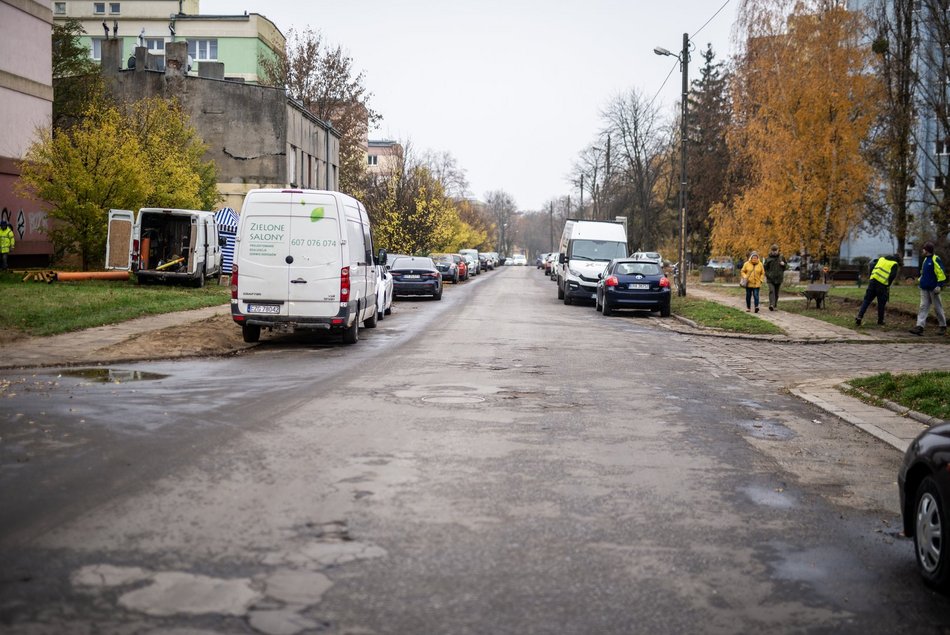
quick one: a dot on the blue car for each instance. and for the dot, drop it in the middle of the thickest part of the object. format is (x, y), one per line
(633, 284)
(416, 275)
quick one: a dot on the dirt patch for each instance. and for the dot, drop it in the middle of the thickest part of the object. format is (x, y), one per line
(216, 335)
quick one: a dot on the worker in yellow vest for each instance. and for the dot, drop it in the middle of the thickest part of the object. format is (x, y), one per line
(884, 271)
(933, 277)
(7, 240)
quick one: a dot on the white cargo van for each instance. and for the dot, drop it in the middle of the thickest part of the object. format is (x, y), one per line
(586, 247)
(303, 259)
(164, 245)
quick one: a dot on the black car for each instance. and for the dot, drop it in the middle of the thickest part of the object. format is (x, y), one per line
(633, 284)
(924, 484)
(416, 275)
(446, 265)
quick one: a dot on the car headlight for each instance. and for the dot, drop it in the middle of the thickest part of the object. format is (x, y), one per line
(574, 273)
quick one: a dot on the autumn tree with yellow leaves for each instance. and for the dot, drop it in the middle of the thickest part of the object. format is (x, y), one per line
(143, 154)
(804, 101)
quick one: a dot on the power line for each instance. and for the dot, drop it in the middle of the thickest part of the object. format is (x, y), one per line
(660, 90)
(710, 19)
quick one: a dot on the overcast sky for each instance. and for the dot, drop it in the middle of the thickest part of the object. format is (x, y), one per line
(512, 88)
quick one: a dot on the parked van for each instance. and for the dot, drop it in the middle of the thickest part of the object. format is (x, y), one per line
(585, 249)
(164, 245)
(303, 259)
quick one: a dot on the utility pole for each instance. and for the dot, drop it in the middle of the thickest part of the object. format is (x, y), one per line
(551, 218)
(684, 63)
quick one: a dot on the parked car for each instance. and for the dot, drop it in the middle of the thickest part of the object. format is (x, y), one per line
(485, 262)
(924, 485)
(384, 292)
(721, 265)
(633, 284)
(416, 275)
(462, 265)
(472, 263)
(391, 258)
(795, 263)
(445, 263)
(519, 260)
(652, 256)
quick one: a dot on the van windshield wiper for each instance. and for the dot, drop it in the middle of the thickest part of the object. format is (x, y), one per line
(576, 257)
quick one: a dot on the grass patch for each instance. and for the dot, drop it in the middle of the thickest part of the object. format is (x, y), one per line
(36, 308)
(927, 392)
(714, 315)
(842, 304)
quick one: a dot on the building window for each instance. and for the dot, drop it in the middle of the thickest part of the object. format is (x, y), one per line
(59, 8)
(114, 8)
(938, 182)
(99, 8)
(372, 159)
(155, 45)
(203, 50)
(943, 147)
(97, 48)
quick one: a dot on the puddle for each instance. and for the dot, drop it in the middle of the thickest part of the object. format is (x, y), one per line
(111, 375)
(764, 429)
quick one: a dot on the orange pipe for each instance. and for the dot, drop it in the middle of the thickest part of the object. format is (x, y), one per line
(92, 275)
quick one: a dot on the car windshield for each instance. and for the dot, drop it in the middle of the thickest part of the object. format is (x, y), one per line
(644, 268)
(597, 250)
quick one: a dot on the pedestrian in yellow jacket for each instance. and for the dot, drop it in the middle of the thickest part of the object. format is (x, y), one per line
(754, 273)
(7, 240)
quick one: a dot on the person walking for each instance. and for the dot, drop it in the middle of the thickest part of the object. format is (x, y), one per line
(7, 240)
(775, 265)
(884, 271)
(933, 277)
(753, 273)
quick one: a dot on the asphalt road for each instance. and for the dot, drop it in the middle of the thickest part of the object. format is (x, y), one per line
(496, 462)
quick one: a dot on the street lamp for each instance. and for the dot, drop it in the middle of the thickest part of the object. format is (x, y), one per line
(684, 66)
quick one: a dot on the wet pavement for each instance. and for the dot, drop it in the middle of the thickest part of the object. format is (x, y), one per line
(812, 358)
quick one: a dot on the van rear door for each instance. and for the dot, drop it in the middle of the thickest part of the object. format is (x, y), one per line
(316, 251)
(119, 239)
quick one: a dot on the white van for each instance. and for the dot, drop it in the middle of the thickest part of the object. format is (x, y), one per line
(586, 247)
(303, 259)
(164, 245)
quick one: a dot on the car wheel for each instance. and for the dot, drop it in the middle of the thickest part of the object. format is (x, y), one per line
(455, 278)
(251, 333)
(567, 299)
(560, 291)
(931, 533)
(665, 309)
(351, 334)
(438, 295)
(606, 308)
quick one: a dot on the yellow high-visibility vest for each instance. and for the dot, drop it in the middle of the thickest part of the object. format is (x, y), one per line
(882, 270)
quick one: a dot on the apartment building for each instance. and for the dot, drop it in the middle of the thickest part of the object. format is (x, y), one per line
(382, 156)
(26, 104)
(236, 40)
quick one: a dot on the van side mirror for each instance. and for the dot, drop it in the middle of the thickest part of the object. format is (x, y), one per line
(381, 257)
(562, 258)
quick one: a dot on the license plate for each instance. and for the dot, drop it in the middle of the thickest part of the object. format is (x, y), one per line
(263, 308)
(412, 277)
(639, 285)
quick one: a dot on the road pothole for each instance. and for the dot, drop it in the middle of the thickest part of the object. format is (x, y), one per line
(111, 375)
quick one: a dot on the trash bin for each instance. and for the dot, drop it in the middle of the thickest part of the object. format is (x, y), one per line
(707, 274)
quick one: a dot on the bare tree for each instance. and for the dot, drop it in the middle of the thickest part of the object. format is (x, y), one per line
(643, 144)
(446, 169)
(323, 79)
(503, 212)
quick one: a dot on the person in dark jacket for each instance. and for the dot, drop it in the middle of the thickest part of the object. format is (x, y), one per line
(933, 277)
(884, 271)
(775, 265)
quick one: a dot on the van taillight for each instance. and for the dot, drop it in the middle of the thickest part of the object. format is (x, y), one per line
(234, 271)
(345, 284)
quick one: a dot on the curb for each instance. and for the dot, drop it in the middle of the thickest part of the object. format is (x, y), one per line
(903, 411)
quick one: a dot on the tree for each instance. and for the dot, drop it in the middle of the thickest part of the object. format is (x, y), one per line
(643, 156)
(83, 172)
(173, 155)
(503, 212)
(145, 154)
(804, 102)
(707, 153)
(323, 79)
(77, 82)
(892, 149)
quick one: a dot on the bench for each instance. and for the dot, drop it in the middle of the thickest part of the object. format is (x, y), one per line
(816, 292)
(846, 275)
